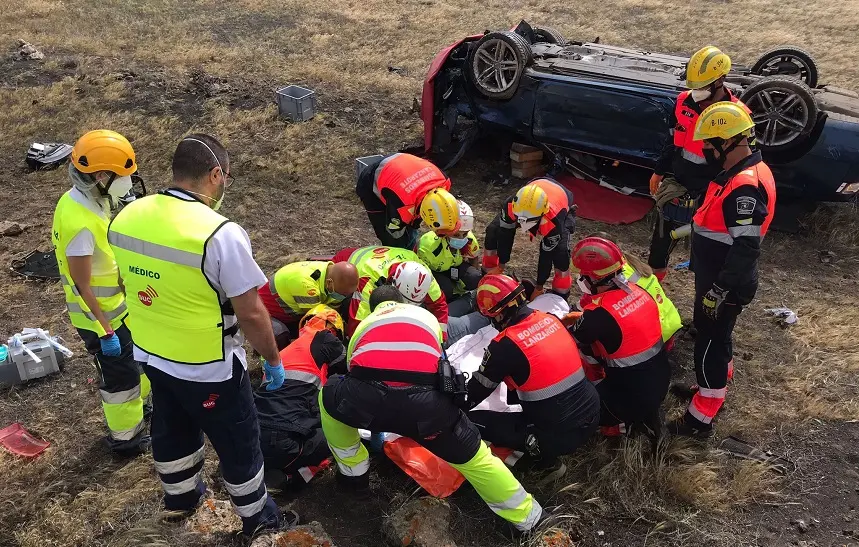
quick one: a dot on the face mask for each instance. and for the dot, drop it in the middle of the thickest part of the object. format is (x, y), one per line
(457, 242)
(710, 157)
(220, 200)
(583, 285)
(336, 296)
(699, 95)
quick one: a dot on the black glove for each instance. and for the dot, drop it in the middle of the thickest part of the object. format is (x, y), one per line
(712, 302)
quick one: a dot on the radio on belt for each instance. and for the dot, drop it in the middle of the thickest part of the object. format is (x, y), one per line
(30, 354)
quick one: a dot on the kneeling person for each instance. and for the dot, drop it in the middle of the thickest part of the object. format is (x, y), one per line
(291, 437)
(535, 356)
(392, 385)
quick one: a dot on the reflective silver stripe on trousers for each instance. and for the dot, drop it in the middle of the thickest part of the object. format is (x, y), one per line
(120, 397)
(513, 502)
(636, 359)
(155, 250)
(396, 346)
(712, 393)
(128, 434)
(74, 307)
(349, 452)
(248, 487)
(181, 464)
(484, 381)
(353, 470)
(550, 391)
(745, 231)
(532, 518)
(251, 509)
(378, 172)
(698, 415)
(721, 237)
(693, 158)
(301, 376)
(182, 487)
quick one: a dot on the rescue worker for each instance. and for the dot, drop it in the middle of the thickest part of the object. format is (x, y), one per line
(192, 279)
(726, 243)
(403, 269)
(393, 385)
(399, 192)
(538, 360)
(620, 337)
(300, 286)
(544, 209)
(291, 438)
(677, 197)
(452, 258)
(101, 165)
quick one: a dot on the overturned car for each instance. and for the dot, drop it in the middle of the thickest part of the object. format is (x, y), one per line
(605, 112)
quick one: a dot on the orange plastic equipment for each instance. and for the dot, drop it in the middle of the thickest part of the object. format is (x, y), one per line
(20, 442)
(433, 474)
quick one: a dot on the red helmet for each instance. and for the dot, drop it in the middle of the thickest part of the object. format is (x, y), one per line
(596, 258)
(497, 292)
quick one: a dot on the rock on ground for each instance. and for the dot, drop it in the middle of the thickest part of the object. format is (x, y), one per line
(27, 51)
(213, 517)
(554, 537)
(423, 522)
(307, 535)
(10, 229)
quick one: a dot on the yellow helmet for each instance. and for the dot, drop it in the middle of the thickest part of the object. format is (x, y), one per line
(104, 150)
(530, 201)
(321, 317)
(706, 66)
(723, 120)
(440, 211)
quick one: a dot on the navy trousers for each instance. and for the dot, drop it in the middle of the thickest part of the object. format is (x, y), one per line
(225, 412)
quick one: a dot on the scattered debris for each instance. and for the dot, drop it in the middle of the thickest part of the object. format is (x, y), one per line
(211, 86)
(37, 265)
(307, 535)
(741, 449)
(17, 440)
(554, 537)
(12, 229)
(27, 52)
(423, 522)
(399, 70)
(214, 517)
(786, 316)
(825, 256)
(48, 155)
(801, 525)
(682, 266)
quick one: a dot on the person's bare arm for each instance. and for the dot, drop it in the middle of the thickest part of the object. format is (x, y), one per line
(255, 322)
(80, 268)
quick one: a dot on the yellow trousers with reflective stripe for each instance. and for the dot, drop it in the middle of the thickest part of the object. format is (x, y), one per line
(349, 452)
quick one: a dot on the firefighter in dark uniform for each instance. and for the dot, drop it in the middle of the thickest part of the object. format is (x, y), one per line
(293, 445)
(726, 242)
(543, 209)
(677, 196)
(401, 190)
(537, 359)
(620, 337)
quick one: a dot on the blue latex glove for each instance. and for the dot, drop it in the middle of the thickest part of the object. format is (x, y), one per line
(274, 375)
(110, 345)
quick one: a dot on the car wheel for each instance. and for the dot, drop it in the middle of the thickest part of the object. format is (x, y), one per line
(496, 64)
(549, 35)
(784, 111)
(787, 61)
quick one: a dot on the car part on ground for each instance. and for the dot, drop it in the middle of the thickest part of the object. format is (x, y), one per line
(49, 155)
(787, 61)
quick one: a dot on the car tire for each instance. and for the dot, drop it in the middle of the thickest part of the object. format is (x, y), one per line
(548, 35)
(493, 79)
(787, 61)
(784, 111)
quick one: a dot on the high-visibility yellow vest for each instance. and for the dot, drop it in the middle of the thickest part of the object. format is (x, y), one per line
(669, 317)
(70, 217)
(438, 255)
(300, 286)
(159, 243)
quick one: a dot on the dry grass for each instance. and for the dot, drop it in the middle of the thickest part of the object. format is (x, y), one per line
(144, 73)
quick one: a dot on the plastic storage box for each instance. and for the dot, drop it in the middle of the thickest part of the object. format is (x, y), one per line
(296, 103)
(19, 367)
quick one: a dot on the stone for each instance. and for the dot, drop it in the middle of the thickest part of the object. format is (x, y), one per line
(553, 537)
(214, 517)
(424, 522)
(306, 535)
(801, 525)
(11, 229)
(28, 52)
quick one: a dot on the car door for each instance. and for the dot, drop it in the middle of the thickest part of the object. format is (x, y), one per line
(624, 122)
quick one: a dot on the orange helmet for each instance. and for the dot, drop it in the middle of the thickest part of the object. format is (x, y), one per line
(495, 293)
(596, 258)
(321, 317)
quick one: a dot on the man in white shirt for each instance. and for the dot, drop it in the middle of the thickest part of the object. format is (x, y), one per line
(191, 279)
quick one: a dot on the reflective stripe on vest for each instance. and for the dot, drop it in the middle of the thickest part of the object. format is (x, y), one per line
(552, 355)
(70, 218)
(686, 117)
(637, 315)
(396, 337)
(410, 178)
(159, 242)
(669, 317)
(298, 362)
(709, 220)
(296, 276)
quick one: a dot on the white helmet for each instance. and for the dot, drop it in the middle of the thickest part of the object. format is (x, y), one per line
(466, 216)
(413, 280)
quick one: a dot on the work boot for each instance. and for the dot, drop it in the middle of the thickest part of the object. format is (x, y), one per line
(549, 472)
(682, 428)
(547, 520)
(288, 519)
(142, 446)
(358, 487)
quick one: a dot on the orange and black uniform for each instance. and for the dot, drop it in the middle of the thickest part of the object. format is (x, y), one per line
(291, 437)
(392, 191)
(683, 157)
(537, 359)
(726, 243)
(620, 331)
(554, 228)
